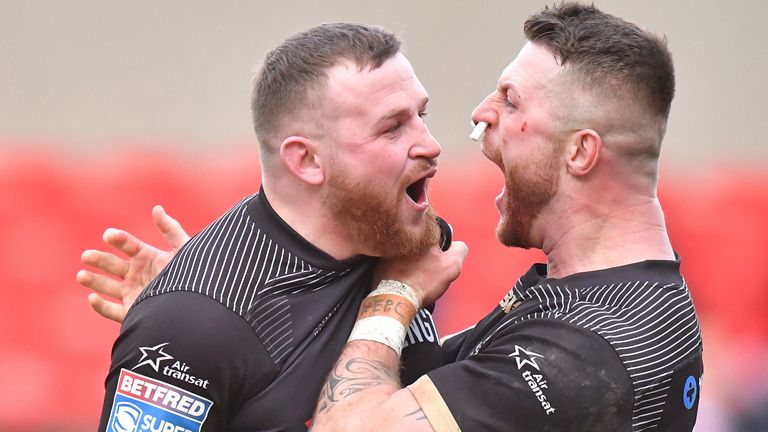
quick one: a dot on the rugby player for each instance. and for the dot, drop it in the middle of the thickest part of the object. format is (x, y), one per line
(240, 328)
(604, 336)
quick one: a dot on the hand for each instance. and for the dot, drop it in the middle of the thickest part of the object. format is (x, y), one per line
(131, 276)
(429, 274)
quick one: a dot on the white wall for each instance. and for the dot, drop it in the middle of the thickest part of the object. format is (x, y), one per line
(88, 74)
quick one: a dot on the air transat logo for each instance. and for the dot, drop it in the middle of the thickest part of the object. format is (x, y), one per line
(537, 381)
(152, 356)
(523, 357)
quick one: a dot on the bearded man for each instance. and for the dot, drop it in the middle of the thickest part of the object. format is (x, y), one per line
(239, 330)
(604, 336)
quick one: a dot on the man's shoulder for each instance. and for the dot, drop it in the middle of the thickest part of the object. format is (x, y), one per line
(633, 311)
(646, 333)
(219, 262)
(187, 345)
(651, 326)
(184, 315)
(654, 330)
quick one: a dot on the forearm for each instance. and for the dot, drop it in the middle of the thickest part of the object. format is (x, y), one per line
(356, 394)
(363, 390)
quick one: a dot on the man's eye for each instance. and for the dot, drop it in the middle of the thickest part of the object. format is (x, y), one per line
(510, 104)
(423, 115)
(393, 129)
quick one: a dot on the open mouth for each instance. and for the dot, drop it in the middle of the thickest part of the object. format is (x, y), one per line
(417, 191)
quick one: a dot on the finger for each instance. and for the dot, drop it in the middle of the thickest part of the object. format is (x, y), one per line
(123, 241)
(458, 249)
(459, 252)
(109, 310)
(106, 262)
(169, 227)
(99, 283)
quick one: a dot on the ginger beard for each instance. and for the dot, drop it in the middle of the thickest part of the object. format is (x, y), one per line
(374, 217)
(528, 188)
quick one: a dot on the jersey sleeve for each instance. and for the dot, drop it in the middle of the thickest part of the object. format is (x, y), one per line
(182, 362)
(450, 345)
(538, 375)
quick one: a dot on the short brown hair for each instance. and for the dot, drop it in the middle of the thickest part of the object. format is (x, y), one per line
(299, 65)
(604, 50)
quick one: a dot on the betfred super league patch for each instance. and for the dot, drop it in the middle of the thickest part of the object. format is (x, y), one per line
(146, 404)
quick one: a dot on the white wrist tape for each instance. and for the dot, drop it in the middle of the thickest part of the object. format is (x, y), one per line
(388, 286)
(382, 329)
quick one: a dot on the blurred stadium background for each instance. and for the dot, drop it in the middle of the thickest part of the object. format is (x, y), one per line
(107, 108)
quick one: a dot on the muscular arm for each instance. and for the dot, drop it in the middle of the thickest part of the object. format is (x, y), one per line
(363, 392)
(183, 344)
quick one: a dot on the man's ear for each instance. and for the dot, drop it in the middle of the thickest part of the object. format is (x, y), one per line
(584, 151)
(300, 156)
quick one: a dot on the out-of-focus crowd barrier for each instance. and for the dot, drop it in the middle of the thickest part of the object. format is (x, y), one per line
(54, 351)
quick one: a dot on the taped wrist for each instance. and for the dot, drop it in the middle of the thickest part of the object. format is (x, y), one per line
(386, 313)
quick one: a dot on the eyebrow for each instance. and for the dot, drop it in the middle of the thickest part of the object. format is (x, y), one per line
(401, 112)
(506, 86)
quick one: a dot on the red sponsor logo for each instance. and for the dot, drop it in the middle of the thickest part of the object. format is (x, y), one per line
(160, 394)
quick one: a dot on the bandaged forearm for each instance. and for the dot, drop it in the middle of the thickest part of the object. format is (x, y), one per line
(386, 313)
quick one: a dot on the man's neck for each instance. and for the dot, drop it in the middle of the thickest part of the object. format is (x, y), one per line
(613, 238)
(311, 220)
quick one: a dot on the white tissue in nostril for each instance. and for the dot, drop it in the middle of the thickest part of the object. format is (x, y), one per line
(478, 131)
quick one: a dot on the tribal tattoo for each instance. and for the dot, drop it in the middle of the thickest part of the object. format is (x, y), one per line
(356, 375)
(416, 415)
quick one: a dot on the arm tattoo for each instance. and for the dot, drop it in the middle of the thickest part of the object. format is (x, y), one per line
(416, 415)
(356, 375)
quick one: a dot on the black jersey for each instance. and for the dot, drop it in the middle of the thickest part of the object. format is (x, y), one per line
(239, 331)
(611, 350)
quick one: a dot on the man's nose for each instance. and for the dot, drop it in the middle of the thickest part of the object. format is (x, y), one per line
(484, 112)
(427, 146)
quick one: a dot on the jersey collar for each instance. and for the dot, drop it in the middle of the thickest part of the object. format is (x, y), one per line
(659, 271)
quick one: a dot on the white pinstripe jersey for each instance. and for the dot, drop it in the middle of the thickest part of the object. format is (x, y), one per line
(610, 350)
(251, 317)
